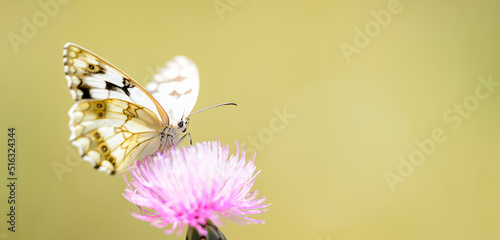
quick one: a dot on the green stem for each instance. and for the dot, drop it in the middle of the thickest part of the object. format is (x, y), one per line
(213, 233)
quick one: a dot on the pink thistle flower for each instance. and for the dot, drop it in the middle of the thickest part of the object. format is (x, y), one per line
(195, 186)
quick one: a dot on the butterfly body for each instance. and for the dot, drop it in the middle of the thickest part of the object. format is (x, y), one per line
(171, 134)
(114, 120)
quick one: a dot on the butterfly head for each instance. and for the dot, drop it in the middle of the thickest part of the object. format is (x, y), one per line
(182, 125)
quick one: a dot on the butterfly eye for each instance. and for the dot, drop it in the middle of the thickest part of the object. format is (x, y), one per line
(180, 124)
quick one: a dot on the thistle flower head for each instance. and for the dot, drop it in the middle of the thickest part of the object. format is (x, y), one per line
(194, 186)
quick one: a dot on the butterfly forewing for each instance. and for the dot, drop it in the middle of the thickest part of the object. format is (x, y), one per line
(91, 77)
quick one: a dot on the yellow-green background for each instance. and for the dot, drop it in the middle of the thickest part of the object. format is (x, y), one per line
(324, 171)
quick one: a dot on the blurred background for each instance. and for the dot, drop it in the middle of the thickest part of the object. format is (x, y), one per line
(370, 119)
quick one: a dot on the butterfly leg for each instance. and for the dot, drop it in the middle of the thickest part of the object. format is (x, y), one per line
(182, 138)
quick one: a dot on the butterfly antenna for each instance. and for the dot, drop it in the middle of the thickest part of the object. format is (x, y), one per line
(218, 105)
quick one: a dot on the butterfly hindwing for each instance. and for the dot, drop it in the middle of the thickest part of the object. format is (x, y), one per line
(111, 133)
(176, 87)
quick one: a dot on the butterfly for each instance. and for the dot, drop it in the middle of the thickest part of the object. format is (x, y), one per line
(114, 120)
